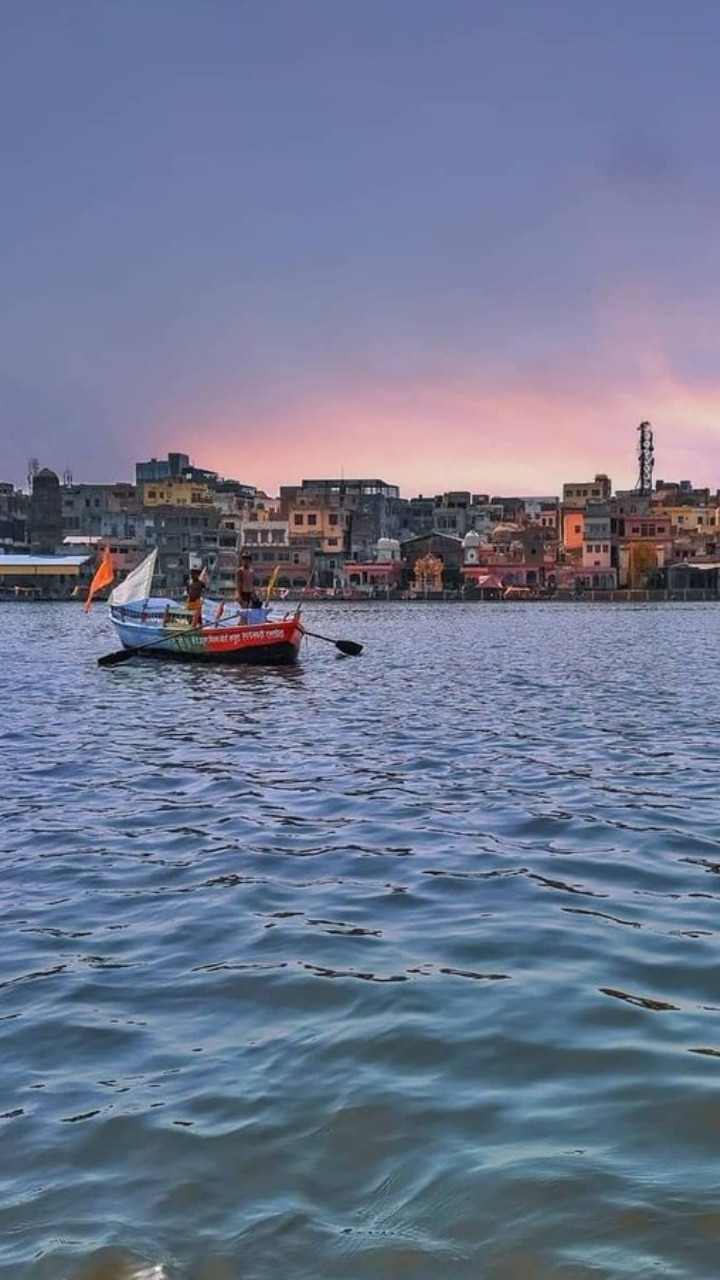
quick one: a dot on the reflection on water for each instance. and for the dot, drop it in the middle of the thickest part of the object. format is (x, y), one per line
(398, 966)
(118, 1264)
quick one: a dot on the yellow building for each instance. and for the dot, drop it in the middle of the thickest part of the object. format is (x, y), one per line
(324, 525)
(174, 492)
(687, 519)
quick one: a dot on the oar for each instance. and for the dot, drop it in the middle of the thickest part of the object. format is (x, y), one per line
(113, 659)
(124, 655)
(350, 647)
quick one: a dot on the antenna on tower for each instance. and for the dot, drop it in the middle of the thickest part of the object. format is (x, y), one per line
(33, 468)
(646, 460)
(67, 476)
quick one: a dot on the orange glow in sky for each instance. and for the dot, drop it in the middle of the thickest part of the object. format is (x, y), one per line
(526, 436)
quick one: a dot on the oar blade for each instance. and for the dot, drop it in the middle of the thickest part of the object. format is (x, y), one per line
(350, 647)
(113, 659)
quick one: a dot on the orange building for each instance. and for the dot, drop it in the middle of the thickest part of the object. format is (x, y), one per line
(572, 533)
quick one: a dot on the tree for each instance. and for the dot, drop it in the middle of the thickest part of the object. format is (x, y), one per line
(642, 562)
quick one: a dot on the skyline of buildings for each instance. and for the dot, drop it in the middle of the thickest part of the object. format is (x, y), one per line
(361, 535)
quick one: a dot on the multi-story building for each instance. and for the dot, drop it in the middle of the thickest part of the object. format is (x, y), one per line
(14, 508)
(451, 513)
(158, 469)
(513, 509)
(543, 513)
(268, 542)
(125, 553)
(295, 564)
(341, 518)
(537, 507)
(578, 493)
(483, 515)
(228, 553)
(645, 545)
(107, 511)
(234, 499)
(702, 518)
(599, 552)
(175, 491)
(458, 512)
(679, 492)
(417, 516)
(186, 538)
(572, 531)
(576, 496)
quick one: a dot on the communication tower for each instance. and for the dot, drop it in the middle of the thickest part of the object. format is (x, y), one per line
(646, 460)
(67, 476)
(33, 468)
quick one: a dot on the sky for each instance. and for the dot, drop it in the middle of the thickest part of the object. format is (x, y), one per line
(449, 244)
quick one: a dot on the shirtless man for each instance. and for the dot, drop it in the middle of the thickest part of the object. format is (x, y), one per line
(244, 583)
(195, 588)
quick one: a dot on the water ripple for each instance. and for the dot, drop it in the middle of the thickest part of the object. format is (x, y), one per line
(404, 966)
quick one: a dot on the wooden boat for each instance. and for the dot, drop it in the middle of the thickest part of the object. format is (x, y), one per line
(157, 627)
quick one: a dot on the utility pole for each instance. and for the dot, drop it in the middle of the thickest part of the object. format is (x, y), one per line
(646, 460)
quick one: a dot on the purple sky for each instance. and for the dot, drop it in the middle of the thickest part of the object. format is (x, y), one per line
(450, 243)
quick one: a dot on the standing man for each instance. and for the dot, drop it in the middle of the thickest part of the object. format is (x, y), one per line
(244, 582)
(195, 588)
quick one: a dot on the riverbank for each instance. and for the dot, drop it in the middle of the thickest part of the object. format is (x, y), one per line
(559, 597)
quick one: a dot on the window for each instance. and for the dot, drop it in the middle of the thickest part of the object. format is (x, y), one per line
(333, 517)
(298, 518)
(152, 493)
(312, 518)
(332, 542)
(578, 528)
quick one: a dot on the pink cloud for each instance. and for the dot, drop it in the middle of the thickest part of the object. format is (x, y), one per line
(491, 429)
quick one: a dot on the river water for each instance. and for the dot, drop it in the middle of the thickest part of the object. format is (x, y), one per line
(398, 967)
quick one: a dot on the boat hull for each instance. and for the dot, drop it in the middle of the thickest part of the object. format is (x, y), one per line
(276, 653)
(257, 643)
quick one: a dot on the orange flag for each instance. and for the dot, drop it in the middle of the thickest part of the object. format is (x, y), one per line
(103, 577)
